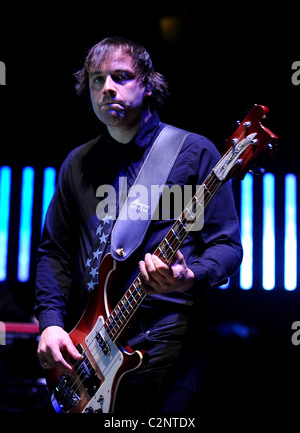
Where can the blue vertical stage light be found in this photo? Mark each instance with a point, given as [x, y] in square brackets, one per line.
[25, 228]
[246, 269]
[48, 190]
[268, 241]
[290, 233]
[5, 188]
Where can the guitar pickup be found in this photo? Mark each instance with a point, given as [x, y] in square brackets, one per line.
[86, 372]
[102, 343]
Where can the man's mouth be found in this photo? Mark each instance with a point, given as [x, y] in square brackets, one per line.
[113, 104]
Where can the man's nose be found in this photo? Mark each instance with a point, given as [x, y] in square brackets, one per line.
[109, 86]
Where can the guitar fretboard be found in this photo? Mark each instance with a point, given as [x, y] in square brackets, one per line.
[244, 146]
[134, 296]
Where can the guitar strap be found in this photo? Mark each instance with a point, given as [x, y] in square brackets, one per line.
[135, 216]
[140, 205]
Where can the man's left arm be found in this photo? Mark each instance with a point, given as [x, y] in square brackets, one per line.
[216, 253]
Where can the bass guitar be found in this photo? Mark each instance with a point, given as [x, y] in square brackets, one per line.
[94, 384]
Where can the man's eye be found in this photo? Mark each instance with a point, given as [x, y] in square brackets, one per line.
[123, 76]
[98, 80]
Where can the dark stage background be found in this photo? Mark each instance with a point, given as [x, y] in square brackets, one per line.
[218, 61]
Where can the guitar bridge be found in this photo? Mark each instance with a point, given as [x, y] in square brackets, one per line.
[66, 394]
[64, 397]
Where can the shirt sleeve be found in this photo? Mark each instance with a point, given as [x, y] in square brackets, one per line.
[56, 256]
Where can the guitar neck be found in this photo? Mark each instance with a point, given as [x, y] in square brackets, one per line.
[134, 296]
[243, 147]
[193, 212]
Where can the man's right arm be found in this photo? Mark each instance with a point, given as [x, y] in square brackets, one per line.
[55, 348]
[56, 255]
[55, 268]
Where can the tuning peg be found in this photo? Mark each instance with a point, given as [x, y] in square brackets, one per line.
[257, 171]
[274, 149]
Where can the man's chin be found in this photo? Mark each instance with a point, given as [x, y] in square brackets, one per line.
[112, 117]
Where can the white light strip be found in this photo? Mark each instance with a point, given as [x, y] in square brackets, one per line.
[48, 190]
[246, 269]
[268, 241]
[25, 228]
[5, 188]
[290, 233]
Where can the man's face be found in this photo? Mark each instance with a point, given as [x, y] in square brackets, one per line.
[117, 93]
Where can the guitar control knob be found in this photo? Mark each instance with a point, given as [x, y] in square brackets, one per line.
[89, 410]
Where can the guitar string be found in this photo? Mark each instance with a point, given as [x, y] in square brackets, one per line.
[212, 190]
[78, 378]
[211, 185]
[181, 234]
[172, 245]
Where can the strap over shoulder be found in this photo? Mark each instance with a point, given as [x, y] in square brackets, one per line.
[139, 208]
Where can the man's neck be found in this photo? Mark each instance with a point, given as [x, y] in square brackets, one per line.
[124, 134]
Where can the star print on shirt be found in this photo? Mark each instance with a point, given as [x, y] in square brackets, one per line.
[99, 229]
[92, 262]
[94, 272]
[103, 238]
[91, 285]
[97, 253]
[106, 219]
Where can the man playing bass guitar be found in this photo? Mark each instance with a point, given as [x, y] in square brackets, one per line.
[125, 92]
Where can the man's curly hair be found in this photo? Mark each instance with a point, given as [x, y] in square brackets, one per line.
[141, 62]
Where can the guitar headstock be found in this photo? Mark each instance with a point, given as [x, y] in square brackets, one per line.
[245, 145]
